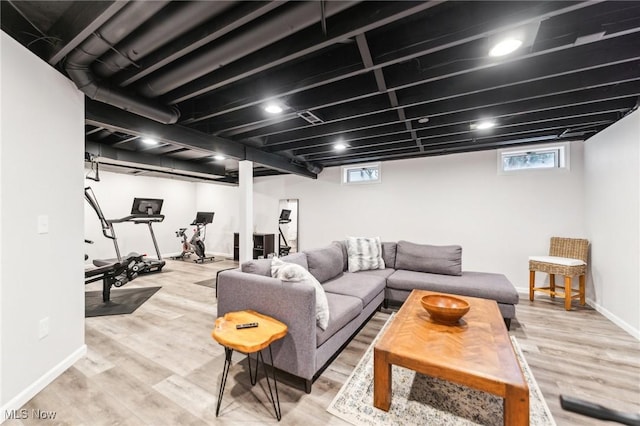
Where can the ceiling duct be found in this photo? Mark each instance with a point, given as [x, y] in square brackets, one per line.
[183, 17]
[265, 32]
[80, 59]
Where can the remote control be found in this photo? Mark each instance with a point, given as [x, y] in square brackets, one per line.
[247, 325]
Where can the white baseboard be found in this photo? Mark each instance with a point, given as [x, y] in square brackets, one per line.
[216, 254]
[615, 319]
[524, 292]
[32, 390]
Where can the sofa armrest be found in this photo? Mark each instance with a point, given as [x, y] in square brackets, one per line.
[294, 305]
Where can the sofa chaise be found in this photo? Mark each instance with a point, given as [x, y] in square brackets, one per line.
[353, 297]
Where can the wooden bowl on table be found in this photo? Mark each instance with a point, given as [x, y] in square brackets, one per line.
[445, 309]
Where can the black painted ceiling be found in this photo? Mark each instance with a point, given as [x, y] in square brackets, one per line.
[390, 80]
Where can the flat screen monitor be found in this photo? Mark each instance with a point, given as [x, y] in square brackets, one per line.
[150, 206]
[284, 214]
[203, 218]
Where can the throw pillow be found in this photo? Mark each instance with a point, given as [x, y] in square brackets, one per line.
[290, 272]
[364, 254]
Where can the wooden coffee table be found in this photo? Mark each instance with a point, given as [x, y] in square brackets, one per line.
[476, 353]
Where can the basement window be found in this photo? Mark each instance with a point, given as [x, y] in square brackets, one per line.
[362, 173]
[552, 157]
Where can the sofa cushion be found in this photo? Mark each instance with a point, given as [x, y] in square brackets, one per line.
[389, 250]
[291, 272]
[345, 254]
[360, 285]
[297, 258]
[343, 310]
[364, 253]
[485, 285]
[382, 273]
[257, 266]
[263, 266]
[326, 262]
[445, 260]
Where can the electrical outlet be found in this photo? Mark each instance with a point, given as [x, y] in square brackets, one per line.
[43, 328]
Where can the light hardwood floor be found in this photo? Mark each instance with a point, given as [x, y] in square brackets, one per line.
[159, 366]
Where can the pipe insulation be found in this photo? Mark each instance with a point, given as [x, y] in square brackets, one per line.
[79, 61]
[267, 31]
[170, 23]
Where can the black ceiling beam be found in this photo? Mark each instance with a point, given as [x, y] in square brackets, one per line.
[110, 155]
[79, 22]
[567, 85]
[454, 123]
[551, 137]
[277, 162]
[609, 57]
[361, 86]
[437, 45]
[103, 115]
[585, 104]
[471, 139]
[355, 20]
[479, 100]
[527, 68]
[530, 121]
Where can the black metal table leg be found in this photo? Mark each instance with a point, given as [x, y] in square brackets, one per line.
[254, 378]
[276, 408]
[225, 372]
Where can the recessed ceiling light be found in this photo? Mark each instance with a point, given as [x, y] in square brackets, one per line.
[339, 147]
[219, 157]
[483, 125]
[423, 120]
[273, 109]
[505, 47]
[149, 141]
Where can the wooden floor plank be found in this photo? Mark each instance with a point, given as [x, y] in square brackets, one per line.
[159, 365]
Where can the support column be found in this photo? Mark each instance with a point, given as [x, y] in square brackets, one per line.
[245, 174]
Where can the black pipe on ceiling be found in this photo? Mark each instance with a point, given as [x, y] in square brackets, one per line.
[267, 31]
[117, 28]
[180, 16]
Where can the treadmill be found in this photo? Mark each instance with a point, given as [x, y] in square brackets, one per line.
[143, 211]
[284, 247]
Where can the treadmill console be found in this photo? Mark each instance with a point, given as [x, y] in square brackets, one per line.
[146, 206]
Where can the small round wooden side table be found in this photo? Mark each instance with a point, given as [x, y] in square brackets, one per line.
[248, 341]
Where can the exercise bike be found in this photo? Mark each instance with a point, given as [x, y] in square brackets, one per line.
[196, 243]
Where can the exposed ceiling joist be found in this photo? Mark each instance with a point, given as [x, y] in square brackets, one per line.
[109, 155]
[103, 115]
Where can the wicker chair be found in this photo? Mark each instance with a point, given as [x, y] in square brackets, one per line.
[567, 257]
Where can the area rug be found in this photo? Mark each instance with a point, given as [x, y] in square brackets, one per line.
[419, 399]
[122, 301]
[207, 283]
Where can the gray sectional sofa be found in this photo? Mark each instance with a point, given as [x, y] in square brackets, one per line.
[353, 297]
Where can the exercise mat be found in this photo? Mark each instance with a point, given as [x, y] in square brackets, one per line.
[123, 301]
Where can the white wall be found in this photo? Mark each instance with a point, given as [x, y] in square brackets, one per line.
[41, 166]
[499, 220]
[115, 193]
[612, 180]
[225, 202]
